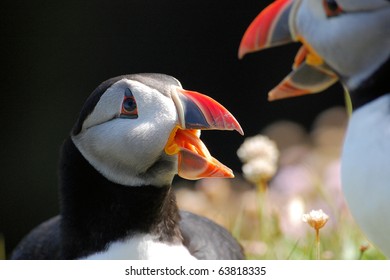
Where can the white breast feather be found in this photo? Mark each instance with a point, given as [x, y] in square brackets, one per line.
[142, 247]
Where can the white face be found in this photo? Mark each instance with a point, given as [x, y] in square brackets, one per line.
[354, 43]
[125, 149]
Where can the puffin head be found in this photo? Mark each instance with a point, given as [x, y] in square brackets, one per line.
[142, 129]
[345, 40]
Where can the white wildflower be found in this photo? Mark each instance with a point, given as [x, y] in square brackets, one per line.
[258, 146]
[258, 170]
[316, 219]
[259, 155]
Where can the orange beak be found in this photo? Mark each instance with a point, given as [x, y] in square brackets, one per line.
[274, 26]
[198, 112]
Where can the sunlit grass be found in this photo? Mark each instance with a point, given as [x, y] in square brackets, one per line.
[342, 243]
[265, 239]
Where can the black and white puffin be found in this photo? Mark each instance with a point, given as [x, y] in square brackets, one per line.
[349, 41]
[134, 133]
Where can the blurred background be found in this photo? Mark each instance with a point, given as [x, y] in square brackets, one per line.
[54, 53]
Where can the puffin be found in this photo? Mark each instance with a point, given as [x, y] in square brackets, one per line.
[346, 41]
[133, 135]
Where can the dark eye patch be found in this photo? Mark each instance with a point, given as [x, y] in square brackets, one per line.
[332, 8]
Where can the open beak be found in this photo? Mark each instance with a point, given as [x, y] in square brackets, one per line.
[198, 112]
[274, 26]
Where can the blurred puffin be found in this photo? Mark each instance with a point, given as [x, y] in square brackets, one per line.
[134, 133]
[346, 40]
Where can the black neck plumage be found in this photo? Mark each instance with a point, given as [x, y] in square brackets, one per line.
[96, 211]
[375, 86]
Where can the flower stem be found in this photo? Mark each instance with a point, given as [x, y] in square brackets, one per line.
[262, 201]
[318, 243]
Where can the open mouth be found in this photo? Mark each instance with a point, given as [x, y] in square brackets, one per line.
[194, 159]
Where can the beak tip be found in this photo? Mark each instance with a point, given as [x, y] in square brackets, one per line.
[228, 173]
[271, 96]
[242, 52]
[235, 125]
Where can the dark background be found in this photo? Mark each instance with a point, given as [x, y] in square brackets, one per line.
[54, 53]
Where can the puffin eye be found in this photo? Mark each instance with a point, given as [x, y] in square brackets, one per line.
[129, 106]
[332, 8]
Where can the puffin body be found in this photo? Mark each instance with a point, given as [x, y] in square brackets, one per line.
[347, 41]
[366, 168]
[134, 133]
